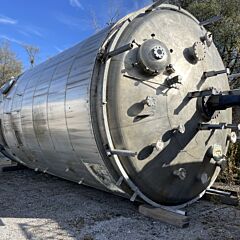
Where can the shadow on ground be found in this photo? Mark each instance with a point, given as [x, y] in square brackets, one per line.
[39, 206]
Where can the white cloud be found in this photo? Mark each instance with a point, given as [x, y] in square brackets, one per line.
[58, 49]
[26, 30]
[73, 22]
[11, 39]
[7, 20]
[33, 30]
[76, 3]
[24, 33]
[30, 30]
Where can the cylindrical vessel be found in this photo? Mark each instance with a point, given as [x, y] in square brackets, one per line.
[112, 112]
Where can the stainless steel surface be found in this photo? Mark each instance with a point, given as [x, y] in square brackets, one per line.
[97, 116]
[126, 86]
[49, 125]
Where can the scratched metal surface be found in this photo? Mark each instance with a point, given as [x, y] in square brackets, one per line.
[46, 120]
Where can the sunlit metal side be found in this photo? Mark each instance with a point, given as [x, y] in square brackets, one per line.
[46, 118]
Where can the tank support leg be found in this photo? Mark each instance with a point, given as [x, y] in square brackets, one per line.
[165, 216]
[1, 223]
[222, 196]
[12, 166]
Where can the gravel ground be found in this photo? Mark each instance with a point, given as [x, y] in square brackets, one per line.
[39, 206]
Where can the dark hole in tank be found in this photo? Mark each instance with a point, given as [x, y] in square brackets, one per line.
[145, 152]
[171, 50]
[153, 35]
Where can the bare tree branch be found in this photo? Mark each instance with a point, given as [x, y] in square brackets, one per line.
[113, 14]
[95, 23]
[32, 52]
[10, 66]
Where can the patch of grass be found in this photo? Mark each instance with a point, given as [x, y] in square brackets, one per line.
[231, 175]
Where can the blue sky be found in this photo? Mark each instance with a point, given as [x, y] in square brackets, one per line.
[55, 25]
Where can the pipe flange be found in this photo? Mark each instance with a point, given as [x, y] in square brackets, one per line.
[207, 114]
[199, 51]
[213, 115]
[159, 52]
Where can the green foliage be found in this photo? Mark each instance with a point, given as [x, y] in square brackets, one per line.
[226, 32]
[232, 173]
[10, 66]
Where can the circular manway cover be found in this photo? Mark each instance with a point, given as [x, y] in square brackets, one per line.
[154, 56]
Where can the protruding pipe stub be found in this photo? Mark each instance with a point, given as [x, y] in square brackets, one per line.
[170, 69]
[207, 126]
[208, 39]
[181, 173]
[232, 137]
[216, 152]
[159, 145]
[204, 93]
[212, 104]
[222, 102]
[179, 129]
[173, 81]
[210, 20]
[221, 126]
[150, 101]
[215, 73]
[222, 163]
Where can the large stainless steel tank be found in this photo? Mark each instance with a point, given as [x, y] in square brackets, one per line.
[113, 112]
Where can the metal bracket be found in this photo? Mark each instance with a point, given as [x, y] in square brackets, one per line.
[233, 76]
[133, 197]
[221, 126]
[173, 218]
[204, 93]
[120, 181]
[211, 20]
[123, 153]
[105, 56]
[222, 196]
[215, 73]
[155, 4]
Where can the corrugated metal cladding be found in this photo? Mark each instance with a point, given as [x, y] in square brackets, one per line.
[46, 116]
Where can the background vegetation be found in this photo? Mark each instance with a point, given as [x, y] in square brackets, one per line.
[10, 65]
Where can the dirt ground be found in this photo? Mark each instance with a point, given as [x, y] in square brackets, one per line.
[41, 207]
